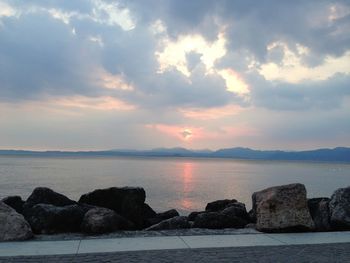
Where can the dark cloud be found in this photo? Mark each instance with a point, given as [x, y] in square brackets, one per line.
[40, 56]
[324, 95]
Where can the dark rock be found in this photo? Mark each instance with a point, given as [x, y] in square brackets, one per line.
[250, 225]
[218, 220]
[237, 210]
[161, 217]
[13, 226]
[282, 209]
[149, 217]
[43, 195]
[15, 202]
[252, 216]
[103, 220]
[178, 222]
[168, 214]
[192, 216]
[219, 205]
[339, 207]
[50, 219]
[128, 202]
[319, 210]
[148, 212]
[211, 220]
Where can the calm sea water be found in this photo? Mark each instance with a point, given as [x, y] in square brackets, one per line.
[184, 184]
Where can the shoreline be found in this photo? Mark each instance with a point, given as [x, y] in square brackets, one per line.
[123, 212]
[156, 157]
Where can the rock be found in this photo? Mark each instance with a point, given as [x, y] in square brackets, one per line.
[192, 216]
[219, 205]
[13, 226]
[252, 216]
[178, 222]
[250, 225]
[319, 210]
[43, 195]
[339, 207]
[168, 214]
[237, 210]
[161, 217]
[103, 220]
[148, 212]
[15, 202]
[282, 209]
[50, 219]
[211, 220]
[128, 202]
[218, 220]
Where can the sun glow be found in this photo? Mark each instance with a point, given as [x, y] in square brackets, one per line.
[186, 134]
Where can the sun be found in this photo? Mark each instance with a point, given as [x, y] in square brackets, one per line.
[186, 134]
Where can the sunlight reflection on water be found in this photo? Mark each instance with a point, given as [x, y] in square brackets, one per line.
[184, 184]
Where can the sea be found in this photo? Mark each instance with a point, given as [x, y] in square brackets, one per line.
[186, 184]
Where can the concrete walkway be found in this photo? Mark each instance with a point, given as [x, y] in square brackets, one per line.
[92, 246]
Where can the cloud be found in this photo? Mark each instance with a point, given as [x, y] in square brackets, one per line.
[321, 94]
[290, 67]
[210, 67]
[35, 61]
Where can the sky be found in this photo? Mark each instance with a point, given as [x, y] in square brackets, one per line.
[200, 74]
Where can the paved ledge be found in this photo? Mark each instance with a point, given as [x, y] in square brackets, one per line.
[86, 246]
[319, 253]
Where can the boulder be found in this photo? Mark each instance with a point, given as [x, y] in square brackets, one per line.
[128, 202]
[15, 202]
[192, 216]
[50, 219]
[319, 210]
[178, 222]
[161, 217]
[13, 226]
[148, 212]
[168, 214]
[103, 220]
[282, 209]
[219, 205]
[252, 216]
[218, 220]
[211, 220]
[238, 210]
[44, 195]
[339, 207]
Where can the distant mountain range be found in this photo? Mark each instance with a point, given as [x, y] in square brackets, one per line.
[339, 154]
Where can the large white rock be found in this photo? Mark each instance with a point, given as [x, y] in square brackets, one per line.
[13, 226]
[282, 209]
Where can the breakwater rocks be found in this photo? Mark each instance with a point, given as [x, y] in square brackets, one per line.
[276, 209]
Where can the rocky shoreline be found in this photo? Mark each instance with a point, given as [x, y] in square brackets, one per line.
[124, 210]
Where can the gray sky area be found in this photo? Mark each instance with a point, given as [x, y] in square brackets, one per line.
[94, 74]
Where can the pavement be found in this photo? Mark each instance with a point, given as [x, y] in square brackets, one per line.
[293, 247]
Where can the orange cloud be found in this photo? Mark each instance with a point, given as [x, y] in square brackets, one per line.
[98, 103]
[110, 81]
[182, 133]
[187, 133]
[212, 113]
[238, 131]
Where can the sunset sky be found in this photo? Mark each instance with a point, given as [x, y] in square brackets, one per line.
[135, 74]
